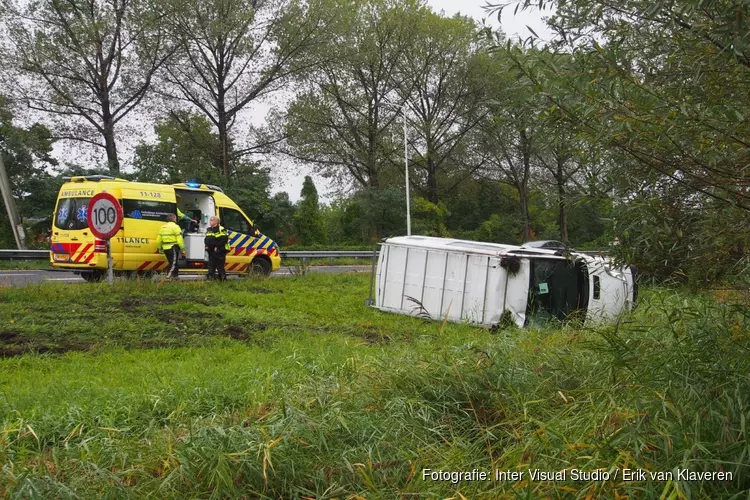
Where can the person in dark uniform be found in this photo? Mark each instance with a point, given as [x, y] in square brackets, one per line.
[217, 246]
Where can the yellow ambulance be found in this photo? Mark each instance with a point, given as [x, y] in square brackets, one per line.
[145, 208]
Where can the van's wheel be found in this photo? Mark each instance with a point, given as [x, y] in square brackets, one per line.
[93, 276]
[260, 266]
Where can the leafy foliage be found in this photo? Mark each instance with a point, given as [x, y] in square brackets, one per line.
[658, 86]
[26, 154]
[186, 148]
[87, 63]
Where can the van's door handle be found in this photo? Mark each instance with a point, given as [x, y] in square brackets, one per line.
[85, 233]
[74, 239]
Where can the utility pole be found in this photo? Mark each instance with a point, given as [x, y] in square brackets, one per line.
[10, 207]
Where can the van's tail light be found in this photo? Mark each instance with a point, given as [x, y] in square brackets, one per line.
[100, 246]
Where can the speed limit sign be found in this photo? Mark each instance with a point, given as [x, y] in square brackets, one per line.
[104, 215]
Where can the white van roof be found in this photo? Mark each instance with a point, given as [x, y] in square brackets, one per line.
[467, 246]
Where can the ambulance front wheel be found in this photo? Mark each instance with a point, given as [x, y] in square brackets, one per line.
[260, 266]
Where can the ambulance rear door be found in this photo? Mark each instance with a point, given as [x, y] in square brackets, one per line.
[72, 244]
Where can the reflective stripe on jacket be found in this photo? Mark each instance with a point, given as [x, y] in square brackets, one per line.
[217, 237]
[170, 235]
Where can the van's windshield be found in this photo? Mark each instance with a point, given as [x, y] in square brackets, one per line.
[72, 213]
[557, 291]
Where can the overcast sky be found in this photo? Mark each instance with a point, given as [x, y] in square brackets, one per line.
[513, 25]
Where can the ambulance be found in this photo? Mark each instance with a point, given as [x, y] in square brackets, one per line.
[145, 209]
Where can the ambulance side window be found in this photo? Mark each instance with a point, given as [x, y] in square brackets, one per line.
[147, 209]
[233, 220]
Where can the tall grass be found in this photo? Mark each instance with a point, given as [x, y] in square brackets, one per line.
[333, 400]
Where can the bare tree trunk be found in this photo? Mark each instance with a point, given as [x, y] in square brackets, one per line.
[223, 132]
[562, 203]
[111, 146]
[432, 186]
[524, 191]
[524, 199]
[108, 128]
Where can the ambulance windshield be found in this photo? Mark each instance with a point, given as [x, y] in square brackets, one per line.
[72, 213]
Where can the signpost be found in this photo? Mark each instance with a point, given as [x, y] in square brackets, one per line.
[105, 219]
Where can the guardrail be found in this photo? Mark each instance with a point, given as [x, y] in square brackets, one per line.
[24, 254]
[323, 254]
[302, 255]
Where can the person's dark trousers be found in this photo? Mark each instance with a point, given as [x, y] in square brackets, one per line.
[211, 265]
[216, 261]
[173, 255]
[221, 259]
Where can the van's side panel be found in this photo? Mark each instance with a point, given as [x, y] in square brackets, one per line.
[393, 280]
[458, 285]
[414, 278]
[432, 292]
[475, 288]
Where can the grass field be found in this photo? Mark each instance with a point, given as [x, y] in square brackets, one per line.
[292, 388]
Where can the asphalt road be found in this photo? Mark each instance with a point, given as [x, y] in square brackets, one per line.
[28, 277]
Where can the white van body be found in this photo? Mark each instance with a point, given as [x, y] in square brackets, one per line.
[490, 283]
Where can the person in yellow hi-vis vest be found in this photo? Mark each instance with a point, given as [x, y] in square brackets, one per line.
[171, 244]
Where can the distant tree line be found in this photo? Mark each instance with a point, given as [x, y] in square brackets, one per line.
[631, 124]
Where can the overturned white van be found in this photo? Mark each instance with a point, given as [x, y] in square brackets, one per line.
[493, 284]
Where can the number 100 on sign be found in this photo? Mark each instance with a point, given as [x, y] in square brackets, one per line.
[104, 216]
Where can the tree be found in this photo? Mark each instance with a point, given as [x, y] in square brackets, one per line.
[276, 220]
[186, 148]
[250, 188]
[26, 154]
[88, 63]
[308, 222]
[509, 131]
[564, 159]
[234, 52]
[341, 122]
[442, 79]
[662, 85]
